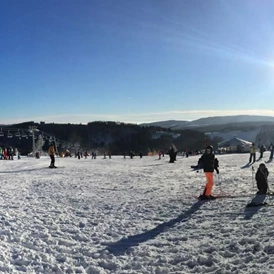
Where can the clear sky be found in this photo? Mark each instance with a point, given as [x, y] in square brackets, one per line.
[135, 60]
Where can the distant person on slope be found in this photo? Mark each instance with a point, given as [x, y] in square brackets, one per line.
[252, 153]
[271, 148]
[262, 150]
[51, 153]
[261, 179]
[172, 155]
[208, 161]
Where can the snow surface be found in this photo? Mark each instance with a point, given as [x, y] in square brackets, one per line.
[131, 216]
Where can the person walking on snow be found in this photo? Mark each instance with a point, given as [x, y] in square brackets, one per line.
[261, 179]
[262, 150]
[252, 153]
[51, 153]
[209, 164]
[271, 148]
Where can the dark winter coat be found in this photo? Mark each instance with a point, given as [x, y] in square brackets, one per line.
[261, 179]
[208, 161]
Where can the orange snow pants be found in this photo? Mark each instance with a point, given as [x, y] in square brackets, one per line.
[209, 183]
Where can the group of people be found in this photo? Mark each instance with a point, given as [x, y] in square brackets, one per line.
[262, 149]
[7, 153]
[209, 163]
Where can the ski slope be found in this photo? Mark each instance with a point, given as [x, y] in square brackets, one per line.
[131, 216]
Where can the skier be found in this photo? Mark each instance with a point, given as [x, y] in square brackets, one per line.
[51, 153]
[261, 179]
[252, 153]
[208, 161]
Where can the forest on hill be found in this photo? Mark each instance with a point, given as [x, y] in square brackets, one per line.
[113, 137]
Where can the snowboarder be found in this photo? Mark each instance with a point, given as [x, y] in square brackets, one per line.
[261, 179]
[51, 153]
[252, 153]
[208, 161]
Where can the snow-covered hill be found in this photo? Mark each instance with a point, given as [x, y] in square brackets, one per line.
[213, 121]
[131, 216]
[249, 135]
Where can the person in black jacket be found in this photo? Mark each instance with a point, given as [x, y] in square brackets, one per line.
[261, 179]
[271, 148]
[262, 150]
[209, 164]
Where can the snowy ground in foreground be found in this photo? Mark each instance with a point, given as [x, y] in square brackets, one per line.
[131, 216]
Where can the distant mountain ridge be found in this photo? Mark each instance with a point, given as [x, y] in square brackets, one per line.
[211, 121]
[167, 124]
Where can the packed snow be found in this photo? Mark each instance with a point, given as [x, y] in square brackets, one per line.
[132, 216]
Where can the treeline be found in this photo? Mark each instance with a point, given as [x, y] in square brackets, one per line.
[117, 138]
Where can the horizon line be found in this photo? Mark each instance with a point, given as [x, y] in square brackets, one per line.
[138, 118]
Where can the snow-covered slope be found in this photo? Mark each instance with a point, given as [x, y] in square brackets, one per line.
[215, 120]
[131, 216]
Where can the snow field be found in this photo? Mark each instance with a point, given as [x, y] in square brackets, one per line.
[131, 216]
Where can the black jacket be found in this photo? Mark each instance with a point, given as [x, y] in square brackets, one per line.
[208, 161]
[261, 178]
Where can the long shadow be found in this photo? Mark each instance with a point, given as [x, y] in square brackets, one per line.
[251, 211]
[246, 166]
[120, 247]
[24, 170]
[156, 164]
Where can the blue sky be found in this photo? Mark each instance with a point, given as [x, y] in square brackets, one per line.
[135, 61]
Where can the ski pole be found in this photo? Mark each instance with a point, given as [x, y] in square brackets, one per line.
[220, 183]
[252, 179]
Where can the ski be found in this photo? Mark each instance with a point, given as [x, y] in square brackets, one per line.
[215, 197]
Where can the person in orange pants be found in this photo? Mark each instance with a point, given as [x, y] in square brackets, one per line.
[209, 164]
[209, 184]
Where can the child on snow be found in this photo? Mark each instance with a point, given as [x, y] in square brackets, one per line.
[261, 179]
[209, 164]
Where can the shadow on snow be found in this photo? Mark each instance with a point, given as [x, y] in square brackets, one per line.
[27, 170]
[247, 165]
[251, 211]
[122, 246]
